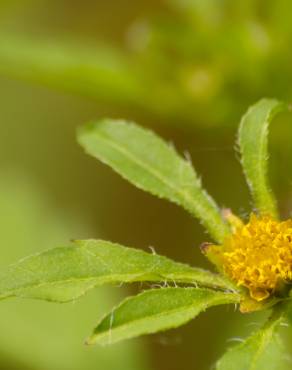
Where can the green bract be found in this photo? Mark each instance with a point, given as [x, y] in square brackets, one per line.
[65, 273]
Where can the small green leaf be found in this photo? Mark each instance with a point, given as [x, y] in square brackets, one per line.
[253, 143]
[149, 163]
[65, 273]
[263, 350]
[156, 310]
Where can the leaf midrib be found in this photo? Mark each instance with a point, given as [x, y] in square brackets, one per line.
[112, 278]
[261, 164]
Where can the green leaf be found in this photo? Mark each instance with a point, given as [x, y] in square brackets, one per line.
[26, 208]
[97, 71]
[151, 164]
[156, 310]
[65, 273]
[263, 350]
[253, 143]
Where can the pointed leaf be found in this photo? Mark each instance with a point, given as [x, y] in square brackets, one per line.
[253, 143]
[262, 350]
[156, 310]
[63, 274]
[149, 163]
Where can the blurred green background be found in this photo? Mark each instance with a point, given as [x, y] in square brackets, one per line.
[186, 68]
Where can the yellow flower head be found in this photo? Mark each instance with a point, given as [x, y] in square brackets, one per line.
[258, 255]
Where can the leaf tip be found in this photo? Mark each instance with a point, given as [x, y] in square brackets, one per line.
[83, 129]
[88, 341]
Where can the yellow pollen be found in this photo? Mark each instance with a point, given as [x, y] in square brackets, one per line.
[259, 255]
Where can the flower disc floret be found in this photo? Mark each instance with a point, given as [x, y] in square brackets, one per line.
[258, 255]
